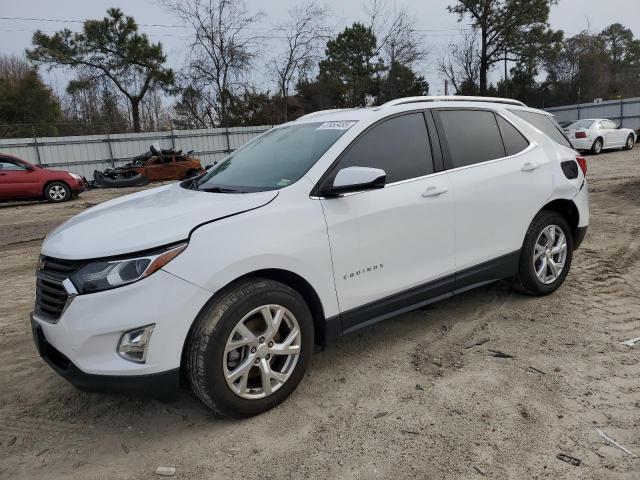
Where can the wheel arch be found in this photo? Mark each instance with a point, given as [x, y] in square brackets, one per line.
[286, 277]
[566, 208]
[304, 288]
[601, 138]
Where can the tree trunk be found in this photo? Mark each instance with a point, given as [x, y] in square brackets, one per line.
[283, 90]
[135, 114]
[483, 63]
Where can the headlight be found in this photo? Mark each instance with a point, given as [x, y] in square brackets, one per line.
[76, 176]
[106, 274]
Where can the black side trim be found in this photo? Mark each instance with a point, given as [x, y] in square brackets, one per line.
[434, 139]
[487, 272]
[396, 304]
[581, 232]
[164, 385]
[496, 269]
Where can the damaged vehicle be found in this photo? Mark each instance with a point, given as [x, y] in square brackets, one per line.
[311, 231]
[156, 165]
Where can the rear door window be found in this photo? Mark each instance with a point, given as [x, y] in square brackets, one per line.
[514, 141]
[399, 146]
[544, 123]
[472, 136]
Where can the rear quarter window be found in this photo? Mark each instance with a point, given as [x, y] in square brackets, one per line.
[544, 123]
[514, 141]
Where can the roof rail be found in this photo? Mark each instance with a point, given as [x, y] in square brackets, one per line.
[321, 112]
[452, 98]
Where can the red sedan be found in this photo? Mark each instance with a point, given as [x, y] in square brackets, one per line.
[21, 179]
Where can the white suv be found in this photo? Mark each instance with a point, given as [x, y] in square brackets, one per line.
[313, 230]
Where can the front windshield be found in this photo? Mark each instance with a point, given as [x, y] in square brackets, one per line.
[273, 160]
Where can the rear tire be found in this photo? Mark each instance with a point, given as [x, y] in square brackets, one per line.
[630, 143]
[232, 337]
[596, 148]
[541, 271]
[57, 192]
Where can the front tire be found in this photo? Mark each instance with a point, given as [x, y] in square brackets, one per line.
[546, 255]
[57, 192]
[630, 143]
[249, 348]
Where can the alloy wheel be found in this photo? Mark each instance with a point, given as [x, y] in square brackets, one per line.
[262, 352]
[56, 192]
[550, 254]
[598, 146]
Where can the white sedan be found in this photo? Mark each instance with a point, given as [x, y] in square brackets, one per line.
[597, 134]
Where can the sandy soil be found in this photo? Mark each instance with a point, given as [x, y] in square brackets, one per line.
[417, 396]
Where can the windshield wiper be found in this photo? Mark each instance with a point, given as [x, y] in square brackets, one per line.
[220, 190]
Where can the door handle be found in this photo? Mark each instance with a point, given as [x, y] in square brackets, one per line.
[529, 166]
[434, 191]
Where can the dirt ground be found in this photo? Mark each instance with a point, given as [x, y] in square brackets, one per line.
[418, 396]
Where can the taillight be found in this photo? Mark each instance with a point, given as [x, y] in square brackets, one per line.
[581, 134]
[583, 164]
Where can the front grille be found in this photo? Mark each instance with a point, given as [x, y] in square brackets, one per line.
[51, 296]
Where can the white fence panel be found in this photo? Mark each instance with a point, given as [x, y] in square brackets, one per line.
[84, 154]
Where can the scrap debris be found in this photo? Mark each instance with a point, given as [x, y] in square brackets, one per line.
[499, 354]
[569, 459]
[479, 342]
[166, 471]
[480, 470]
[613, 442]
[537, 370]
[631, 342]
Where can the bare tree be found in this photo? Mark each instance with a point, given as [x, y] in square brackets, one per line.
[304, 34]
[461, 66]
[398, 39]
[13, 67]
[222, 50]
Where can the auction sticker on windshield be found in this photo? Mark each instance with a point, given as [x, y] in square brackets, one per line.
[336, 125]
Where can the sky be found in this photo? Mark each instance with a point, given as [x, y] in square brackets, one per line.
[21, 18]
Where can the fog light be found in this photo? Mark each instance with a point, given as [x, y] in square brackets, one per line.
[134, 343]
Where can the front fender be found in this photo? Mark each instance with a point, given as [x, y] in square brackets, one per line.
[288, 234]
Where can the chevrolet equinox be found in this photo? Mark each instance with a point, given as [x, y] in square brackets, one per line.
[312, 230]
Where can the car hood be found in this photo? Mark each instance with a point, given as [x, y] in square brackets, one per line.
[145, 220]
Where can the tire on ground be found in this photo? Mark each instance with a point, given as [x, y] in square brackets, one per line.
[526, 280]
[57, 192]
[596, 148]
[630, 143]
[204, 350]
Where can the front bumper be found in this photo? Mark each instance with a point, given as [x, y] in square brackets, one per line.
[81, 345]
[164, 385]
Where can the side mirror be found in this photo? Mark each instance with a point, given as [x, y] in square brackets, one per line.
[355, 179]
[619, 127]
